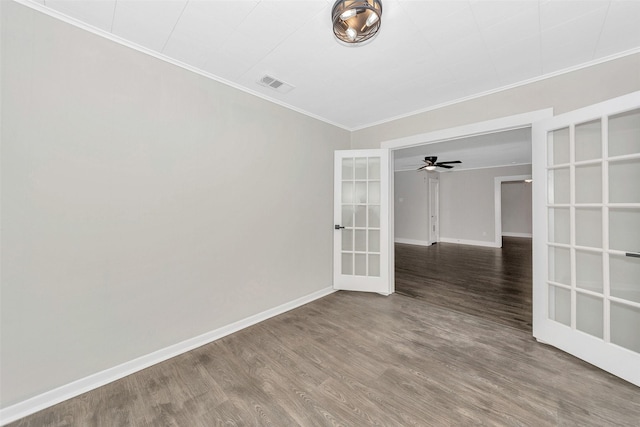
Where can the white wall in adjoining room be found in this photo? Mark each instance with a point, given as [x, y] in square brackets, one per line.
[143, 204]
[467, 205]
[516, 208]
[411, 209]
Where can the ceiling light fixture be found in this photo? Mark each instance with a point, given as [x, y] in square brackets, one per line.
[431, 168]
[356, 21]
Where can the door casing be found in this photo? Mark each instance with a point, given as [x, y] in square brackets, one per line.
[434, 210]
[517, 121]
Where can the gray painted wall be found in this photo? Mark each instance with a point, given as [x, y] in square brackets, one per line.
[516, 208]
[467, 207]
[411, 210]
[143, 204]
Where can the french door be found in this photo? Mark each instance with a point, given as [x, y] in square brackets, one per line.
[361, 221]
[586, 291]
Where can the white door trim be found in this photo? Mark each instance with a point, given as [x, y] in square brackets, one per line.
[434, 199]
[497, 197]
[391, 250]
[517, 121]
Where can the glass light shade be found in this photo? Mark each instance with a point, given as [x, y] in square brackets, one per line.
[356, 21]
[349, 13]
[372, 19]
[351, 34]
[430, 168]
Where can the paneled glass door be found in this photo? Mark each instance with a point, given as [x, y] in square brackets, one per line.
[361, 221]
[587, 279]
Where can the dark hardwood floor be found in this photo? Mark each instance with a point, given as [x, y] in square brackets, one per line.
[487, 282]
[356, 359]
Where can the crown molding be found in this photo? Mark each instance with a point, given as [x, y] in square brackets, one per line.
[72, 21]
[502, 88]
[119, 40]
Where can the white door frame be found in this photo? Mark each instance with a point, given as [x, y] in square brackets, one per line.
[497, 197]
[517, 121]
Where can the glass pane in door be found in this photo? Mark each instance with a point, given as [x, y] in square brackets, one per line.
[589, 227]
[360, 240]
[347, 240]
[347, 169]
[558, 147]
[560, 305]
[589, 184]
[559, 189]
[625, 321]
[624, 273]
[589, 141]
[560, 265]
[347, 215]
[589, 314]
[360, 268]
[374, 241]
[374, 168]
[360, 192]
[624, 177]
[347, 192]
[361, 167]
[624, 229]
[374, 265]
[347, 263]
[624, 133]
[559, 225]
[374, 192]
[589, 271]
[361, 216]
[374, 216]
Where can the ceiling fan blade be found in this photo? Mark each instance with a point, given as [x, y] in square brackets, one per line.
[454, 161]
[422, 167]
[440, 165]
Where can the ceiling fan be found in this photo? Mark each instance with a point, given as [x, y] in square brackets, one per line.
[431, 162]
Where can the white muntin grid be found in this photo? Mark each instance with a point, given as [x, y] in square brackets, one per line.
[558, 206]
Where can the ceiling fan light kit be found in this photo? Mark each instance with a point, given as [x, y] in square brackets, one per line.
[356, 21]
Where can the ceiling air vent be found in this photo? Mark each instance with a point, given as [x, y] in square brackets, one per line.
[275, 84]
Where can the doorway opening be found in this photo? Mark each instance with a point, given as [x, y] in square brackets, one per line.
[459, 270]
[513, 207]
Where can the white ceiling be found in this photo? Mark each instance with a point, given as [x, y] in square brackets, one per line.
[428, 53]
[497, 149]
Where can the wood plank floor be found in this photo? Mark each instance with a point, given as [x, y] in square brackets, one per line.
[491, 283]
[354, 359]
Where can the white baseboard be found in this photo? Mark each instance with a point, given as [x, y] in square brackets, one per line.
[469, 242]
[412, 241]
[509, 234]
[75, 388]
